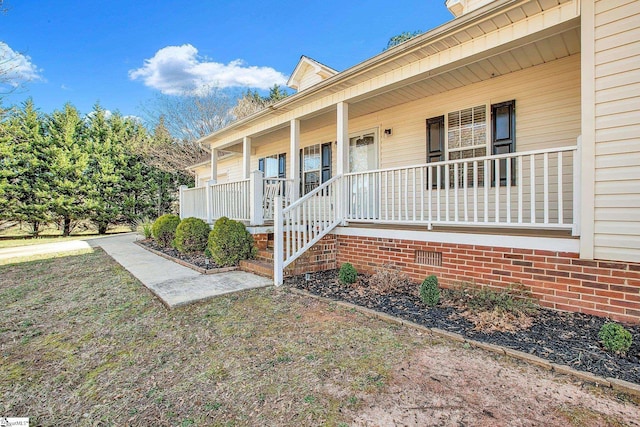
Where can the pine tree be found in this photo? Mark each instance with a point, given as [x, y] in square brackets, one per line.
[103, 172]
[69, 160]
[27, 188]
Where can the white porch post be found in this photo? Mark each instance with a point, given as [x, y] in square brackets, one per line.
[214, 164]
[181, 200]
[246, 157]
[294, 163]
[278, 237]
[209, 200]
[255, 198]
[577, 188]
[342, 161]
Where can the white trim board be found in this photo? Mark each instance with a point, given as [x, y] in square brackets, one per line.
[556, 244]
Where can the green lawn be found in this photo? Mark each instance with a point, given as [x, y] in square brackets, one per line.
[84, 343]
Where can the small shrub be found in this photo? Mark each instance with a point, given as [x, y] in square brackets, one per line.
[491, 310]
[347, 274]
[388, 278]
[192, 235]
[615, 337]
[230, 242]
[429, 292]
[207, 252]
[164, 229]
[144, 226]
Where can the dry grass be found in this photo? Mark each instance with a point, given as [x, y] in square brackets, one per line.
[98, 348]
[83, 343]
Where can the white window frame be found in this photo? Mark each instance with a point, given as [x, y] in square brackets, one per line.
[487, 123]
[305, 171]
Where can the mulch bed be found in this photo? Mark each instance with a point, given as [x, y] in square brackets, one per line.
[199, 260]
[564, 338]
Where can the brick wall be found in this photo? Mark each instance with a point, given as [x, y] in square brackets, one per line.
[559, 280]
[321, 256]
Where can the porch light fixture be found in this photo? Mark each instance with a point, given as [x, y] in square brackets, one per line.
[387, 132]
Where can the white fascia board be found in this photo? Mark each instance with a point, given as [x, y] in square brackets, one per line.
[555, 244]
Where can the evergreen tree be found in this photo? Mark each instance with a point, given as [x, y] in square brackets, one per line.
[27, 176]
[103, 171]
[69, 160]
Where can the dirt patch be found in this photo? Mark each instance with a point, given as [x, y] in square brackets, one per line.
[445, 386]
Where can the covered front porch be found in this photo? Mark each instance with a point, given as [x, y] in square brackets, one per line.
[535, 189]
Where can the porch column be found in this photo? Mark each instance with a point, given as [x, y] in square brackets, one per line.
[342, 160]
[214, 165]
[294, 163]
[256, 205]
[181, 200]
[246, 157]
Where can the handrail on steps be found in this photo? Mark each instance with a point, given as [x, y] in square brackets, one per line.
[305, 221]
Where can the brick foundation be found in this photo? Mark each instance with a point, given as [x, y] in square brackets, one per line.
[559, 280]
[321, 256]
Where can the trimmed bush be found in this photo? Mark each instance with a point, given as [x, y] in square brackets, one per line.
[615, 337]
[164, 229]
[192, 235]
[429, 292]
[348, 273]
[230, 242]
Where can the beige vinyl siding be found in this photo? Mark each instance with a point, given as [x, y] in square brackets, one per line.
[229, 170]
[544, 118]
[617, 130]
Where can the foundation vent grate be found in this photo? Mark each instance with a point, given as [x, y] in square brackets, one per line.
[429, 258]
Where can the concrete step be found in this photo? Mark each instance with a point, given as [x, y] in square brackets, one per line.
[257, 266]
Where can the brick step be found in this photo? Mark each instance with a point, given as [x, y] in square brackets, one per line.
[257, 266]
[265, 255]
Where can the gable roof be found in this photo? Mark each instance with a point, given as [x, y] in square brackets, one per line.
[308, 72]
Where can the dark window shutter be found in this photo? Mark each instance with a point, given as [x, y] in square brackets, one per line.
[435, 147]
[282, 165]
[503, 137]
[261, 165]
[326, 162]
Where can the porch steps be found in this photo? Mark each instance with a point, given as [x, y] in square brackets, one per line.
[258, 266]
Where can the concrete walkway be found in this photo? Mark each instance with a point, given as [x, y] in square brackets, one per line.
[174, 284]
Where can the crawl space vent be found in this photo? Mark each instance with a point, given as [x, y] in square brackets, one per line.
[429, 258]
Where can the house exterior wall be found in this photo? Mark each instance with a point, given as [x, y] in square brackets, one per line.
[229, 170]
[544, 118]
[617, 130]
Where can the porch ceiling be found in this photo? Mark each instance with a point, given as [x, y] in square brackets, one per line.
[540, 51]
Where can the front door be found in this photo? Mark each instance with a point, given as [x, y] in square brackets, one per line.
[363, 157]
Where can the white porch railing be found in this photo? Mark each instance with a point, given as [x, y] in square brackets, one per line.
[230, 199]
[303, 223]
[272, 188]
[193, 202]
[533, 189]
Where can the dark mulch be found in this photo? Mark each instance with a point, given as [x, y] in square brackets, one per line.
[565, 338]
[197, 259]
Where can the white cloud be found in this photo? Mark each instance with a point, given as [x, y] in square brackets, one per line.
[179, 70]
[16, 68]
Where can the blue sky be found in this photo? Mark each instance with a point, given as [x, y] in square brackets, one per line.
[121, 53]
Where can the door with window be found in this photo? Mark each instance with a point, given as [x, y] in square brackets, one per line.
[363, 157]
